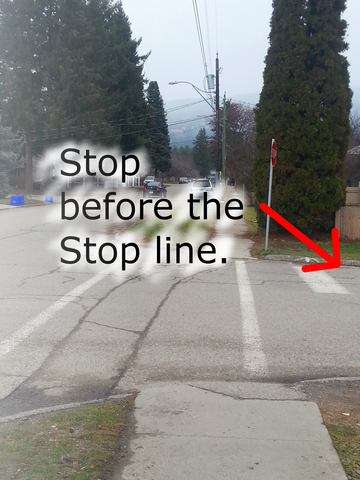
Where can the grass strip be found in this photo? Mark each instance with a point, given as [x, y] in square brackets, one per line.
[79, 444]
[149, 229]
[284, 243]
[346, 440]
[27, 201]
[250, 219]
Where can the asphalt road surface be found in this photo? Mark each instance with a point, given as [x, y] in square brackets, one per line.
[80, 332]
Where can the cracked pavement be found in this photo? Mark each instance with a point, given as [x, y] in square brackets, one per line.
[165, 325]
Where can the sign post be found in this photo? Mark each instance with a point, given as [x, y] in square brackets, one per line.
[272, 165]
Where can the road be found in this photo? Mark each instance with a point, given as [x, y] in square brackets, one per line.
[72, 333]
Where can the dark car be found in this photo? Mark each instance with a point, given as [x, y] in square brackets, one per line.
[154, 189]
[231, 181]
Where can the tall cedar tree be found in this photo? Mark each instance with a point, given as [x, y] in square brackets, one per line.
[91, 89]
[201, 153]
[158, 128]
[11, 150]
[305, 105]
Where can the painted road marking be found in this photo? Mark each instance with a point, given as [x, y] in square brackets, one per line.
[7, 345]
[321, 282]
[255, 359]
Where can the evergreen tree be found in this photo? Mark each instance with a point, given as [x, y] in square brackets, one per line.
[10, 157]
[121, 70]
[158, 128]
[73, 96]
[21, 38]
[201, 153]
[304, 104]
[70, 70]
[98, 65]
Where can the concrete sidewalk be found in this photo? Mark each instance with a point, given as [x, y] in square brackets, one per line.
[239, 431]
[185, 432]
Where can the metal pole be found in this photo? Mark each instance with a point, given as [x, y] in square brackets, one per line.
[224, 141]
[269, 204]
[217, 108]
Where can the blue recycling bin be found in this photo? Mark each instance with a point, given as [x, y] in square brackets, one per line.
[49, 198]
[17, 200]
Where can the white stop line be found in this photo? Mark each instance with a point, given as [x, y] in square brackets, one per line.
[321, 282]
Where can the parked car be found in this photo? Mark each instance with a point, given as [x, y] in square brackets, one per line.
[201, 185]
[154, 189]
[183, 180]
[149, 178]
[231, 181]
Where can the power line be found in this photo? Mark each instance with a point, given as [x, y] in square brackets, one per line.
[183, 106]
[104, 137]
[207, 29]
[216, 29]
[198, 26]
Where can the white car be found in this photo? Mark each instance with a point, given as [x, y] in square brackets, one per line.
[201, 185]
[149, 179]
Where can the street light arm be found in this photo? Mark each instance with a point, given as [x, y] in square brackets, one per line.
[195, 88]
[183, 81]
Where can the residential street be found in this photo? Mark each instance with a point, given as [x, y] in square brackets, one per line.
[73, 335]
[123, 331]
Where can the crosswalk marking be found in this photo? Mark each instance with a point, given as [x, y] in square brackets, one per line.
[7, 345]
[255, 359]
[321, 282]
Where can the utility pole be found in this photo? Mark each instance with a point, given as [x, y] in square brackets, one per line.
[224, 141]
[217, 110]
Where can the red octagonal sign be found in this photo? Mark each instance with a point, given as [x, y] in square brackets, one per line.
[273, 153]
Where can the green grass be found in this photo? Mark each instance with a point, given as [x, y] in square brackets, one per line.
[27, 201]
[289, 245]
[250, 218]
[149, 229]
[75, 444]
[346, 440]
[348, 251]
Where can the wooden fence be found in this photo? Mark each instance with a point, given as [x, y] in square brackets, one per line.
[347, 219]
[352, 197]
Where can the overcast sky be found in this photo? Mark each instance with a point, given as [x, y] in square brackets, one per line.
[237, 29]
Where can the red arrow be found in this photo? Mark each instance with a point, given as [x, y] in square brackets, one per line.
[331, 261]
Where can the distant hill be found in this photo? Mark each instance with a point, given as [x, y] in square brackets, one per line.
[187, 116]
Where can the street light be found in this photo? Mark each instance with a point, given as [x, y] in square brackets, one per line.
[215, 109]
[195, 88]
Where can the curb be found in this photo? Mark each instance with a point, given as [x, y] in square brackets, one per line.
[57, 408]
[290, 258]
[24, 206]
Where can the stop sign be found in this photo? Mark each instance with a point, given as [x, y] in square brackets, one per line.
[273, 153]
